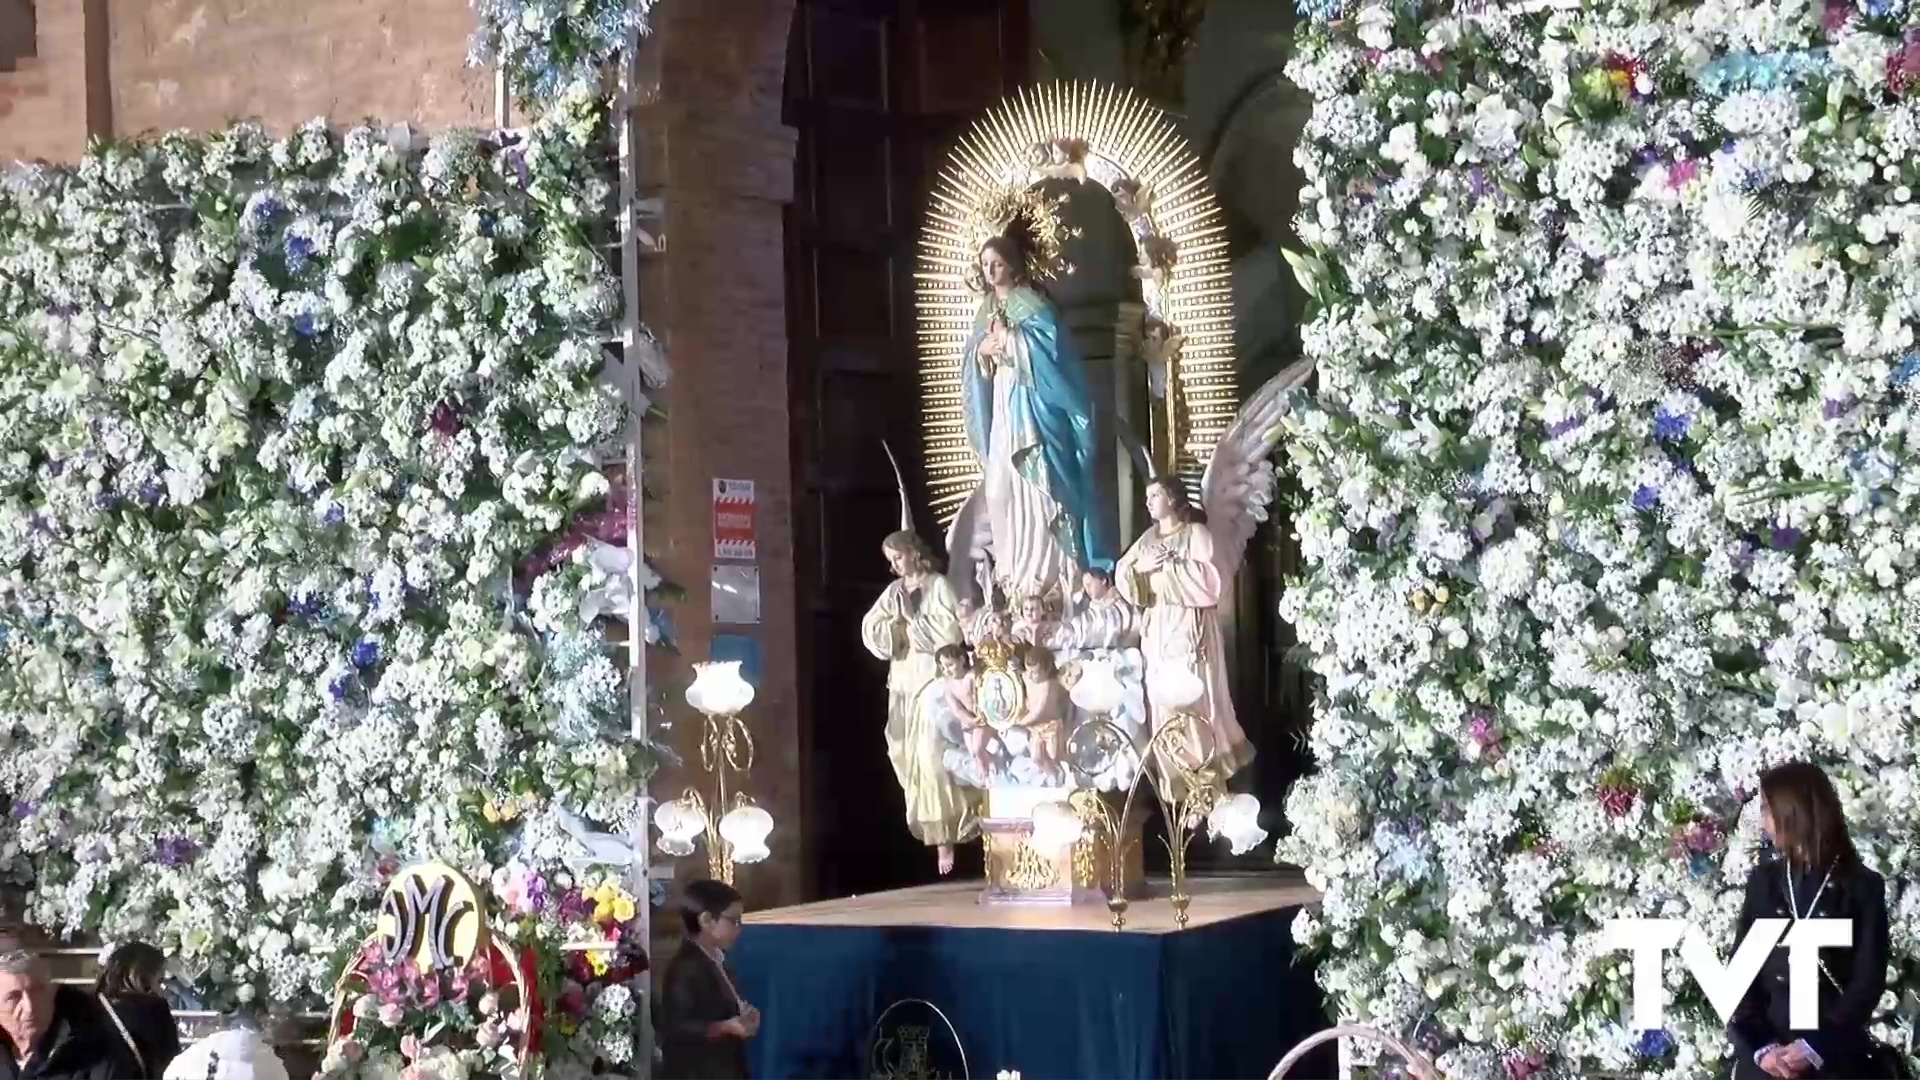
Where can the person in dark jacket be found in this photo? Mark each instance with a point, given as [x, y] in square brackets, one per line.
[50, 1032]
[129, 989]
[1817, 876]
[702, 1022]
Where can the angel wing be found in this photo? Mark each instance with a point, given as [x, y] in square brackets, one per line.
[591, 848]
[906, 507]
[1238, 483]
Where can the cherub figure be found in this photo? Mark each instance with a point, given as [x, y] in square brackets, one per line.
[1038, 623]
[1107, 620]
[956, 673]
[1160, 345]
[1048, 705]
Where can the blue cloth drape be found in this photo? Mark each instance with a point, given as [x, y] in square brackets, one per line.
[1225, 1000]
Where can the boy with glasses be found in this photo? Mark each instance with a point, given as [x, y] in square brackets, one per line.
[702, 1022]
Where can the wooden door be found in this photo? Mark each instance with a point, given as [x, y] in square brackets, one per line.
[879, 92]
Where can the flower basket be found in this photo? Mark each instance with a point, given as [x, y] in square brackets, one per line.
[1417, 1064]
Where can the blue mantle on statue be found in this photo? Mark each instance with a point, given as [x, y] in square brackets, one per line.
[1222, 1000]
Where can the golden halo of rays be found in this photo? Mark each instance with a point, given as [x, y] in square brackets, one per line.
[1125, 138]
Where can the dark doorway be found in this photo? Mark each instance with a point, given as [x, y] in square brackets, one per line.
[879, 92]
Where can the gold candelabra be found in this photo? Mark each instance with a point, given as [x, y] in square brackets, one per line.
[732, 827]
[1187, 792]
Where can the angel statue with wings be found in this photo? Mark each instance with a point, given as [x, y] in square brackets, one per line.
[1178, 570]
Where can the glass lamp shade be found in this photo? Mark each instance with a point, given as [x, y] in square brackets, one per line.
[1098, 692]
[745, 830]
[1237, 818]
[1175, 687]
[1055, 825]
[679, 823]
[718, 689]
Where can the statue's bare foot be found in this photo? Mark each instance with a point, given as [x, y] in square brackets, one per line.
[946, 859]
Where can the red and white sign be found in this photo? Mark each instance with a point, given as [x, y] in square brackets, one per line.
[735, 518]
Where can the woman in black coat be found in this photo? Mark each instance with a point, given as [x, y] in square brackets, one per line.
[1817, 876]
[129, 992]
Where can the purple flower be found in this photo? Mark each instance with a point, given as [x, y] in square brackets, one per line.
[536, 892]
[1835, 408]
[1565, 424]
[1742, 553]
[175, 851]
[366, 653]
[265, 209]
[334, 514]
[304, 325]
[1782, 537]
[22, 809]
[1477, 181]
[337, 689]
[303, 605]
[1645, 497]
[1671, 425]
[106, 500]
[149, 493]
[446, 419]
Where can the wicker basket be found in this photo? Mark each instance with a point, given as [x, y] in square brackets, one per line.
[1418, 1066]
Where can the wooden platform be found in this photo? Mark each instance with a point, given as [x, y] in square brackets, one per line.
[957, 904]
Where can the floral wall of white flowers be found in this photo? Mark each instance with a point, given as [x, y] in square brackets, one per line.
[1608, 495]
[304, 449]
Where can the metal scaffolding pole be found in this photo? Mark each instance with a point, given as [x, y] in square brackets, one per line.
[630, 332]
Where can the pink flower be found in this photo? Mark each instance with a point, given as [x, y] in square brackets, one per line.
[490, 1034]
[410, 1047]
[392, 1013]
[1682, 173]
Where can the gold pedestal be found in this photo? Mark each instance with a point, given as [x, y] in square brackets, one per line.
[1019, 872]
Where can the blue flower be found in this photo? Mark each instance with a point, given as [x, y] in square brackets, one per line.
[337, 689]
[1907, 369]
[149, 493]
[1699, 865]
[1319, 10]
[1645, 497]
[304, 325]
[299, 249]
[333, 513]
[303, 605]
[1782, 537]
[366, 653]
[263, 209]
[1670, 426]
[1653, 1043]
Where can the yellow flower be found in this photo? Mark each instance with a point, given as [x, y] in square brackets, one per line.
[602, 911]
[623, 908]
[491, 812]
[597, 960]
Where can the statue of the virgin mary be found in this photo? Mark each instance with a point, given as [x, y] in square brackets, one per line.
[1029, 419]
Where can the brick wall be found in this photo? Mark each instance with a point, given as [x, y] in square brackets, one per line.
[200, 63]
[715, 148]
[44, 98]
